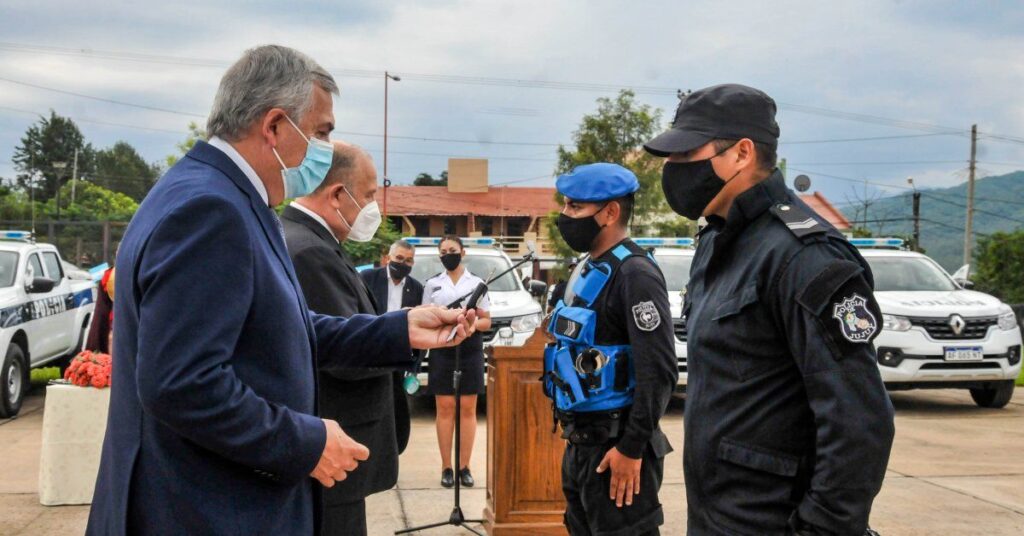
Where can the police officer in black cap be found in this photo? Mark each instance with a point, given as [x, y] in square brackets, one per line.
[612, 369]
[788, 425]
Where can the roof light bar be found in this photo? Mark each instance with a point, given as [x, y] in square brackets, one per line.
[434, 240]
[664, 242]
[877, 242]
[16, 235]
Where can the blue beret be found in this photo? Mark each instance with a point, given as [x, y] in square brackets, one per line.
[597, 182]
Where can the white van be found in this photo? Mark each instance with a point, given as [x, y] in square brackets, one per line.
[515, 308]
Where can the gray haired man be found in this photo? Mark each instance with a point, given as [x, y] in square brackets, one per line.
[212, 426]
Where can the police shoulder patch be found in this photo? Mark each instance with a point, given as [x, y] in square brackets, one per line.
[646, 316]
[856, 322]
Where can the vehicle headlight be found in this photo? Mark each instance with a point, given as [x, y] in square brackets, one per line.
[1007, 321]
[895, 323]
[528, 322]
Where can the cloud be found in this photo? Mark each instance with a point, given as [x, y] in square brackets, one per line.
[937, 63]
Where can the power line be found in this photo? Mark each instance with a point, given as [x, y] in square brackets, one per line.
[995, 214]
[862, 163]
[494, 81]
[101, 99]
[947, 131]
[85, 120]
[870, 138]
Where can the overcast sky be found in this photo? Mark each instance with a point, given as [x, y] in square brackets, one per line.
[912, 63]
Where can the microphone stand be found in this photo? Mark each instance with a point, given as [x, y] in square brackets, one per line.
[457, 518]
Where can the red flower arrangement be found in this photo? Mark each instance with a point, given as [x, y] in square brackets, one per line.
[89, 369]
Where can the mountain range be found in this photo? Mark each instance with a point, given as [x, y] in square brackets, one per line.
[998, 203]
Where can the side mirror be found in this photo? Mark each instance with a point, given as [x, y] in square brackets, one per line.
[965, 283]
[41, 285]
[537, 288]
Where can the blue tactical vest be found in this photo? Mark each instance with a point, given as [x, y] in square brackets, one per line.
[579, 375]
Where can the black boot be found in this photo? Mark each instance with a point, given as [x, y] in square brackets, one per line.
[466, 477]
[448, 478]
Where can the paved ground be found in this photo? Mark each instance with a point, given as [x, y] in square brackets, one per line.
[955, 469]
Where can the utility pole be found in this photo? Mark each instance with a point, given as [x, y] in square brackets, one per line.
[59, 167]
[917, 215]
[969, 226]
[387, 179]
[74, 177]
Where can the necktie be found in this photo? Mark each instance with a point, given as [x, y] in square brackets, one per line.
[280, 226]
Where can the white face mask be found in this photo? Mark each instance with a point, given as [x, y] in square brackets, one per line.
[366, 223]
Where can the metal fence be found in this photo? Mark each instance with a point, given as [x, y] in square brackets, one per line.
[84, 243]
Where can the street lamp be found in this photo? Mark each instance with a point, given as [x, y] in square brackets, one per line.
[59, 167]
[387, 180]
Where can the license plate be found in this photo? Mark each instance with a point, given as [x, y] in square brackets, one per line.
[963, 353]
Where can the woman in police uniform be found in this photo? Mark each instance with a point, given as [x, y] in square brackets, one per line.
[443, 289]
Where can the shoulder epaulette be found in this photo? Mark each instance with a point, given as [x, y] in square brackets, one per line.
[799, 222]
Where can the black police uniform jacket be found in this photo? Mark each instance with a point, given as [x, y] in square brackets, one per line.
[361, 401]
[787, 420]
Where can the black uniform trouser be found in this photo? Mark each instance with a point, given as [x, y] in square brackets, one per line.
[589, 510]
[345, 519]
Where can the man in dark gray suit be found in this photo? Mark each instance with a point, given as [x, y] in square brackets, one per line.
[391, 285]
[343, 208]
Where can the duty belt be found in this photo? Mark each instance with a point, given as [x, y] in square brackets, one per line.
[592, 428]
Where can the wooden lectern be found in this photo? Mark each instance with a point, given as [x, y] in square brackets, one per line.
[524, 457]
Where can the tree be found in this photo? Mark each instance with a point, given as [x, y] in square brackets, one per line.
[1000, 265]
[51, 139]
[426, 179]
[92, 203]
[616, 133]
[121, 169]
[194, 134]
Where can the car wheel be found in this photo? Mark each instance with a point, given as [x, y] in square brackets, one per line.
[13, 381]
[995, 395]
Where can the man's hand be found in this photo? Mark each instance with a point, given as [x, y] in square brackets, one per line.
[430, 326]
[341, 455]
[625, 476]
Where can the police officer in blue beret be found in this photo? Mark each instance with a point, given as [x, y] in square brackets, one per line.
[788, 425]
[612, 369]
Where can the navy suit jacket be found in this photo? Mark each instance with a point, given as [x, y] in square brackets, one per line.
[211, 428]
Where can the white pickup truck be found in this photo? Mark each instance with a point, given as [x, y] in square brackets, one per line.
[44, 313]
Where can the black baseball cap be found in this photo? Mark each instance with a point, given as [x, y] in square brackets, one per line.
[723, 112]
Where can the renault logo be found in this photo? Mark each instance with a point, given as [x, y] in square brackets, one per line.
[956, 323]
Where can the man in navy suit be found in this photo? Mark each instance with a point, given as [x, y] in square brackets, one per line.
[212, 426]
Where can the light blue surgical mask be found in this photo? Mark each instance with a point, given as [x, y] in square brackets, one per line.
[302, 180]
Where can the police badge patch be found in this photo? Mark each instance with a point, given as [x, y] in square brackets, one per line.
[855, 320]
[646, 316]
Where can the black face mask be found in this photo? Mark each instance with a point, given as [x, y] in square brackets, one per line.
[579, 233]
[451, 261]
[690, 186]
[399, 270]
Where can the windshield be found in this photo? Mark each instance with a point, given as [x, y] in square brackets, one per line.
[483, 266]
[8, 265]
[676, 269]
[909, 274]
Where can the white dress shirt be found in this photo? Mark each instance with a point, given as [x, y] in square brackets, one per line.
[395, 291]
[239, 161]
[440, 290]
[316, 217]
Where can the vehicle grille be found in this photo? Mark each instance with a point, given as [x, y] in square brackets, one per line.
[969, 365]
[496, 324]
[939, 328]
[679, 328]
